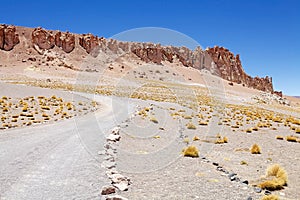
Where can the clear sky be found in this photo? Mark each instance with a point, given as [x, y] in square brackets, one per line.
[264, 32]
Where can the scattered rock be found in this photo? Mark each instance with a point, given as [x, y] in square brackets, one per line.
[113, 138]
[257, 190]
[267, 192]
[120, 181]
[108, 164]
[116, 131]
[101, 152]
[232, 175]
[108, 190]
[122, 186]
[116, 197]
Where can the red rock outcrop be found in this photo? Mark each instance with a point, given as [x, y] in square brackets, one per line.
[227, 65]
[89, 42]
[218, 60]
[8, 37]
[230, 68]
[157, 54]
[278, 93]
[42, 38]
[66, 41]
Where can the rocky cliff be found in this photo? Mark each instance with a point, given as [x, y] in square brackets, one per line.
[218, 60]
[8, 37]
[230, 68]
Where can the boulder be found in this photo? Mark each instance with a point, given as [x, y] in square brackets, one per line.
[106, 190]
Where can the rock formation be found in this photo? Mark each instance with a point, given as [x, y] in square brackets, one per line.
[8, 37]
[157, 54]
[278, 93]
[66, 41]
[42, 39]
[218, 60]
[230, 68]
[89, 42]
[226, 65]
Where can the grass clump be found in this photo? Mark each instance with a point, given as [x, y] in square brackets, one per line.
[154, 120]
[45, 107]
[255, 149]
[276, 178]
[243, 162]
[297, 130]
[203, 123]
[196, 138]
[186, 140]
[270, 197]
[279, 137]
[249, 130]
[191, 151]
[190, 125]
[291, 138]
[221, 140]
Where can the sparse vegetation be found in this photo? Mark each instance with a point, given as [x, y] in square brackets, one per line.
[191, 151]
[249, 130]
[255, 149]
[270, 197]
[291, 138]
[196, 138]
[186, 140]
[190, 125]
[278, 137]
[35, 110]
[221, 140]
[243, 162]
[153, 119]
[203, 123]
[276, 178]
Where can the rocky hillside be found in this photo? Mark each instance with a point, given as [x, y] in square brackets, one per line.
[29, 44]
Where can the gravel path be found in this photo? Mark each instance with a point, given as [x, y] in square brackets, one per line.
[58, 160]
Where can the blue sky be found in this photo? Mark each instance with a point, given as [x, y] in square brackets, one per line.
[264, 32]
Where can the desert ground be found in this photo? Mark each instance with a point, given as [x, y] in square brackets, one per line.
[57, 148]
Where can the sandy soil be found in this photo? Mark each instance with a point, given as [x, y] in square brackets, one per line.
[58, 159]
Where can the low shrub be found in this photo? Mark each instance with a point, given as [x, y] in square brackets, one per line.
[191, 151]
[291, 138]
[277, 178]
[255, 149]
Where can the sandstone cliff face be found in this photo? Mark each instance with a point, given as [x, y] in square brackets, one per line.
[66, 41]
[157, 54]
[230, 68]
[42, 39]
[225, 63]
[89, 42]
[8, 37]
[218, 60]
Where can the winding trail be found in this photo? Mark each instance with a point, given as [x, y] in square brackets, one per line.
[58, 160]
